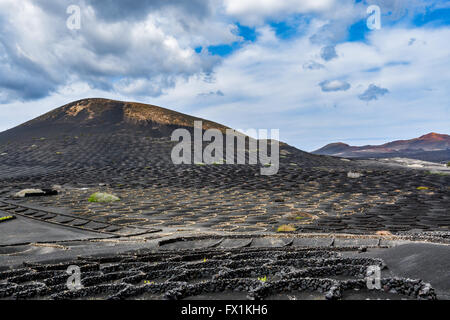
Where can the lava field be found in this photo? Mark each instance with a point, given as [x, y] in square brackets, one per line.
[244, 273]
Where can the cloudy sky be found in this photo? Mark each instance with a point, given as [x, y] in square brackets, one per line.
[315, 69]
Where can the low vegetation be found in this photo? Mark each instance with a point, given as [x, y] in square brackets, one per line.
[286, 228]
[102, 197]
[6, 218]
[438, 173]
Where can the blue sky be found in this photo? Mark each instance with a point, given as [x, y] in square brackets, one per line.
[311, 68]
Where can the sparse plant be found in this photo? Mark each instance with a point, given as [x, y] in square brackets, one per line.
[6, 218]
[102, 197]
[262, 279]
[286, 228]
[438, 173]
[422, 188]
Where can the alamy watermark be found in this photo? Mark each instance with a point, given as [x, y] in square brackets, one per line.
[74, 280]
[73, 22]
[374, 20]
[373, 277]
[213, 153]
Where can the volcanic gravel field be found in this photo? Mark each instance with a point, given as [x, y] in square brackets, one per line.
[160, 200]
[223, 197]
[285, 272]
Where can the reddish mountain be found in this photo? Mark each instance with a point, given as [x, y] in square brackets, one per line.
[427, 147]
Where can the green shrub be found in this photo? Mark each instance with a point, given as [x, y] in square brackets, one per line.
[102, 197]
[286, 228]
[6, 218]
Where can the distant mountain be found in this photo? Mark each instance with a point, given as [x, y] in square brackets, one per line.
[429, 147]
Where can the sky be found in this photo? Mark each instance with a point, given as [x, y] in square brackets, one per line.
[320, 71]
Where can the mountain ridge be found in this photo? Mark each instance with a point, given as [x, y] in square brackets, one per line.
[430, 144]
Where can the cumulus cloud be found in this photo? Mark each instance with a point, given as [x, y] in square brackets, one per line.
[253, 12]
[394, 10]
[212, 93]
[328, 53]
[373, 92]
[313, 65]
[148, 54]
[111, 51]
[334, 85]
[113, 10]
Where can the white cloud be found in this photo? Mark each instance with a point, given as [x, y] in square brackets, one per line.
[271, 83]
[267, 86]
[334, 85]
[373, 92]
[40, 54]
[255, 11]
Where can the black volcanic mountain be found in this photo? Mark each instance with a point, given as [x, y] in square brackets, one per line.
[119, 138]
[90, 116]
[431, 147]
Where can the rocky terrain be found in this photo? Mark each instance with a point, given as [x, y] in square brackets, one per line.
[345, 209]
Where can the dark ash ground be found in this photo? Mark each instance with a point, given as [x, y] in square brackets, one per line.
[209, 231]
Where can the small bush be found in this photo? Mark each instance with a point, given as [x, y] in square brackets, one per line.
[262, 279]
[6, 218]
[102, 197]
[286, 228]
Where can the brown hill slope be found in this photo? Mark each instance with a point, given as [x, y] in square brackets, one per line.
[104, 115]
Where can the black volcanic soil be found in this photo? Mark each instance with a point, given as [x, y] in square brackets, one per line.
[277, 273]
[124, 148]
[100, 150]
